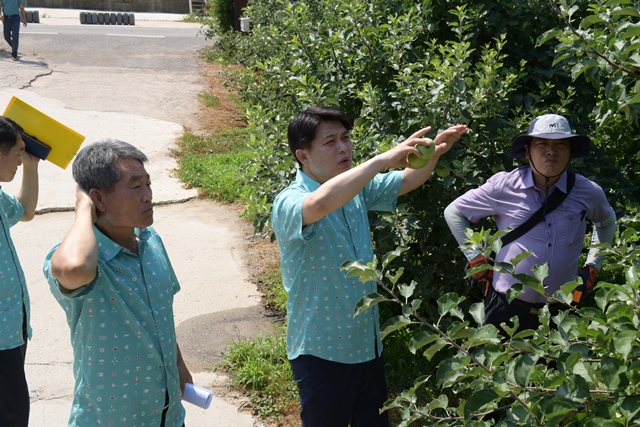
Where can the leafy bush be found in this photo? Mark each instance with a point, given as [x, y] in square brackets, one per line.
[582, 372]
[397, 65]
[223, 14]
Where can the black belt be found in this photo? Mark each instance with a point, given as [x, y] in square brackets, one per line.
[529, 307]
[10, 16]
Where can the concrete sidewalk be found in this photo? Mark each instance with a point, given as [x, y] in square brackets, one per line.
[205, 242]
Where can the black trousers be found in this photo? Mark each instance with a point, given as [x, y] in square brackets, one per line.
[14, 391]
[164, 411]
[498, 310]
[336, 394]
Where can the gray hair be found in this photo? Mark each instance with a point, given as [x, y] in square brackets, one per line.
[95, 165]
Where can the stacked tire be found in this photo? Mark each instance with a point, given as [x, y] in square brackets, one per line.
[107, 18]
[33, 16]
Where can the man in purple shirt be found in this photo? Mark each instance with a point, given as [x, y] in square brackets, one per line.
[512, 197]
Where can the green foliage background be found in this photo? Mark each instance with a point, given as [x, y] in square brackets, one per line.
[397, 65]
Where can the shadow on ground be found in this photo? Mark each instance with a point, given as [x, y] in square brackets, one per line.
[204, 339]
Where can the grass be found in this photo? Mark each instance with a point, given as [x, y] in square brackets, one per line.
[208, 100]
[261, 367]
[192, 17]
[213, 163]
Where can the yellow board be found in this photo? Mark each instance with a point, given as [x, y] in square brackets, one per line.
[63, 142]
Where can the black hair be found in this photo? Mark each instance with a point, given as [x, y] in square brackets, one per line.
[302, 128]
[9, 132]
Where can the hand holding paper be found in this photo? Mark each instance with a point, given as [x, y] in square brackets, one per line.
[197, 395]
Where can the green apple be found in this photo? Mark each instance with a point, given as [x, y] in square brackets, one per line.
[425, 151]
[443, 172]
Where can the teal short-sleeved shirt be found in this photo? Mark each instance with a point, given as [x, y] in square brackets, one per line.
[14, 297]
[321, 300]
[123, 336]
[11, 7]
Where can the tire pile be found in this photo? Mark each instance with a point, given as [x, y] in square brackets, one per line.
[33, 16]
[107, 18]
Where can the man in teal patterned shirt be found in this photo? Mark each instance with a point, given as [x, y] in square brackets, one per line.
[14, 298]
[112, 276]
[320, 221]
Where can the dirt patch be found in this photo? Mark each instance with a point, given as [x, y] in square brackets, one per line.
[225, 114]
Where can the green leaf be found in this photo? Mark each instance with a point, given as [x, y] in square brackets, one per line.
[630, 32]
[523, 368]
[548, 35]
[625, 11]
[407, 290]
[557, 407]
[610, 371]
[478, 400]
[448, 302]
[421, 339]
[630, 407]
[431, 351]
[440, 402]
[390, 256]
[635, 99]
[541, 272]
[369, 301]
[359, 269]
[460, 330]
[393, 278]
[477, 312]
[591, 20]
[623, 342]
[394, 324]
[516, 260]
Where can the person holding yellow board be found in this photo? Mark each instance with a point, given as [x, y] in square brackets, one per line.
[14, 304]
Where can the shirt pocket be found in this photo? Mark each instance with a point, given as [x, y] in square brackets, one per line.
[571, 220]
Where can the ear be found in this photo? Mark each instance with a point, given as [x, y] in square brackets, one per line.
[99, 199]
[302, 156]
[526, 151]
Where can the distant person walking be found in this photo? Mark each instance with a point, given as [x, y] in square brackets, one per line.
[10, 11]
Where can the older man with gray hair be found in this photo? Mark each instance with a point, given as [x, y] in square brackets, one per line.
[112, 276]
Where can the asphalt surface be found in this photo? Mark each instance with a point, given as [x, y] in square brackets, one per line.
[205, 240]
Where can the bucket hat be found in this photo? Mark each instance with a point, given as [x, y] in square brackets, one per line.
[551, 126]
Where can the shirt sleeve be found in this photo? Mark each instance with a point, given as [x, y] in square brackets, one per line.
[286, 216]
[481, 202]
[458, 223]
[54, 285]
[12, 208]
[381, 193]
[175, 283]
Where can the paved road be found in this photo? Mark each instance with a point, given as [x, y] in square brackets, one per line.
[142, 90]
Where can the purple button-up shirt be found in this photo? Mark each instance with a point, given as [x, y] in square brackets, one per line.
[511, 198]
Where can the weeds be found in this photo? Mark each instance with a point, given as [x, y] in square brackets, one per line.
[208, 100]
[261, 367]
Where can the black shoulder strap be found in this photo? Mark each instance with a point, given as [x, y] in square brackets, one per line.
[554, 201]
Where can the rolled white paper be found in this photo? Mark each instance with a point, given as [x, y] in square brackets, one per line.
[197, 395]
